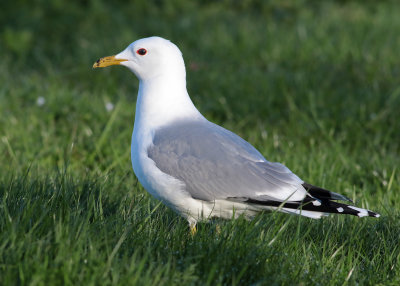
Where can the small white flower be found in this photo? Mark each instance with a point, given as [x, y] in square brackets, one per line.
[88, 131]
[109, 106]
[40, 101]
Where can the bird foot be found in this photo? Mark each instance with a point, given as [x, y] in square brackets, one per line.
[193, 229]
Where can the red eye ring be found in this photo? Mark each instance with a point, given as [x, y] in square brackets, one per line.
[141, 52]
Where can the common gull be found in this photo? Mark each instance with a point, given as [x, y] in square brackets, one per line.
[197, 168]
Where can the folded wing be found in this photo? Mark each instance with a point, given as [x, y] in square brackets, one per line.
[215, 163]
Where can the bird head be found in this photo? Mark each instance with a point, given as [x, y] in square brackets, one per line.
[148, 58]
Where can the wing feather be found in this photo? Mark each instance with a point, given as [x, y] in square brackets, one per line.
[215, 163]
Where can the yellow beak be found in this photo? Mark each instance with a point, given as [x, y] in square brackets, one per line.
[107, 61]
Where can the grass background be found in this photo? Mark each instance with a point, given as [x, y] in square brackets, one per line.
[312, 84]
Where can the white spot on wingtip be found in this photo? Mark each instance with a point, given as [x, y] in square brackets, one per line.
[316, 203]
[361, 212]
[340, 209]
[377, 215]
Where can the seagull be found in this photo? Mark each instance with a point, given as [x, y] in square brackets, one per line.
[199, 169]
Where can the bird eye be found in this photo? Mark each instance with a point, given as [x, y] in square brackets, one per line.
[141, 52]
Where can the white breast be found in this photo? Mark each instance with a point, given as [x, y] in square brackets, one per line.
[164, 187]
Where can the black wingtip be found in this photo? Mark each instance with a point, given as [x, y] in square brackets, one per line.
[323, 194]
[309, 204]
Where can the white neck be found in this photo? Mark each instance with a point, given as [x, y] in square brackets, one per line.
[162, 100]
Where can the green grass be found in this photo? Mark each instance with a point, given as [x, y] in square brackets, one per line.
[312, 84]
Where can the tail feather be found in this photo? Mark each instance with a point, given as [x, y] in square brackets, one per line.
[319, 201]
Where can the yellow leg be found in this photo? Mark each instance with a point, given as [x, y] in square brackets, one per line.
[218, 229]
[193, 228]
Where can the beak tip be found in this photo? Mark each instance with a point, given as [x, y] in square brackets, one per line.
[96, 64]
[107, 61]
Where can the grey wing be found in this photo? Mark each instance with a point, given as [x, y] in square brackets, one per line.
[215, 163]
